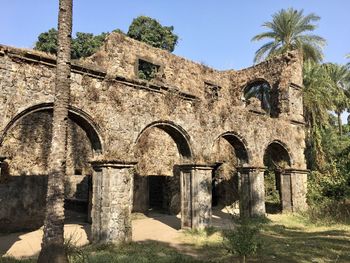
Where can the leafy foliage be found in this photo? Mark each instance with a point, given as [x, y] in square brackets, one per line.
[271, 191]
[47, 41]
[260, 90]
[287, 31]
[243, 239]
[142, 28]
[86, 44]
[340, 81]
[147, 70]
[150, 31]
[83, 45]
[348, 64]
[318, 101]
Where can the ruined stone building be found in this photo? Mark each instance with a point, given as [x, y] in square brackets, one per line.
[151, 130]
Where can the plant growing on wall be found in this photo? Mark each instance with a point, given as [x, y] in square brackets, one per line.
[143, 28]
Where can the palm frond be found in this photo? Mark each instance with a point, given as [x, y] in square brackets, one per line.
[288, 30]
[264, 51]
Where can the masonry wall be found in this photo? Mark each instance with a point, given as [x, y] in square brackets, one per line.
[22, 203]
[124, 110]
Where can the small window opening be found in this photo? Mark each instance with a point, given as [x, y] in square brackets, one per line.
[212, 92]
[261, 91]
[78, 171]
[147, 70]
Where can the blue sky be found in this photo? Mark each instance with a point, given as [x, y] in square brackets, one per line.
[216, 33]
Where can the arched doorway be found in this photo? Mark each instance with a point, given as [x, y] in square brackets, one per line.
[26, 144]
[159, 148]
[229, 153]
[277, 184]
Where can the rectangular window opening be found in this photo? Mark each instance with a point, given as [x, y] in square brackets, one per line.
[212, 91]
[147, 70]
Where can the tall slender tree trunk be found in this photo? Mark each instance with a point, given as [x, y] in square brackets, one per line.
[340, 124]
[52, 250]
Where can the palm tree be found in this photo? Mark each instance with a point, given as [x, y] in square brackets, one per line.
[318, 102]
[53, 240]
[287, 31]
[317, 95]
[340, 79]
[348, 64]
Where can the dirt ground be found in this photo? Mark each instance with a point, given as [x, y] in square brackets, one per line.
[154, 226]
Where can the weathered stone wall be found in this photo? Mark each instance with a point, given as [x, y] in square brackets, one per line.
[22, 203]
[225, 181]
[176, 118]
[27, 146]
[156, 153]
[122, 109]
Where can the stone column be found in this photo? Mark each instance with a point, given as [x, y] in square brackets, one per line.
[286, 191]
[252, 191]
[112, 184]
[298, 181]
[196, 195]
[2, 159]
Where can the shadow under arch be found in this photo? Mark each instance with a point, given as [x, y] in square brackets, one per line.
[277, 152]
[239, 145]
[225, 176]
[253, 81]
[278, 194]
[78, 116]
[176, 132]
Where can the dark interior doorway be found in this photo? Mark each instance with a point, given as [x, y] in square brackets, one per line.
[157, 200]
[276, 159]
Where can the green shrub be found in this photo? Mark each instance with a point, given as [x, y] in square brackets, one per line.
[243, 239]
[328, 212]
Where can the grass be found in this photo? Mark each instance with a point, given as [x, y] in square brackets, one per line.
[283, 238]
[140, 252]
[290, 238]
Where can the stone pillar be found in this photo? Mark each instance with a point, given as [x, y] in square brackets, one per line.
[2, 175]
[286, 191]
[298, 182]
[112, 184]
[196, 195]
[2, 159]
[252, 191]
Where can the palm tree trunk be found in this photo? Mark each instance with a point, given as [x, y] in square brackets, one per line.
[340, 125]
[53, 240]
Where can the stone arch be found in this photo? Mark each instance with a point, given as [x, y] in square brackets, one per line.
[230, 153]
[277, 159]
[25, 140]
[239, 145]
[77, 115]
[159, 148]
[264, 97]
[280, 152]
[176, 132]
[259, 79]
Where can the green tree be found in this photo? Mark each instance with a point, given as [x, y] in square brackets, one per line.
[287, 30]
[47, 41]
[86, 44]
[52, 248]
[339, 77]
[150, 31]
[348, 64]
[318, 101]
[83, 45]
